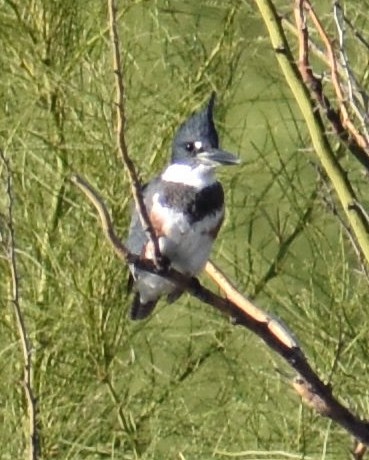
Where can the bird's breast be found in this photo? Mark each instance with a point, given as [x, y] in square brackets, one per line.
[196, 204]
[186, 228]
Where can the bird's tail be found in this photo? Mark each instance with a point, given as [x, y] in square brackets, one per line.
[141, 310]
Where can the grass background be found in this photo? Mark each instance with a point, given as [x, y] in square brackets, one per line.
[185, 384]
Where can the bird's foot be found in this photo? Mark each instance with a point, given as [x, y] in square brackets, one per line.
[163, 264]
[196, 286]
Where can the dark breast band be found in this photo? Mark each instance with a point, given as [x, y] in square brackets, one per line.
[196, 204]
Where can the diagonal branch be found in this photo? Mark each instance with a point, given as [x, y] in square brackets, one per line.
[244, 313]
[34, 448]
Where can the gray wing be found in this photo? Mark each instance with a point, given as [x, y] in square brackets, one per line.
[136, 241]
[137, 237]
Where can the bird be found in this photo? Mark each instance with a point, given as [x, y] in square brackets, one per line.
[185, 204]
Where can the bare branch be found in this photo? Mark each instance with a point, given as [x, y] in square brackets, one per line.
[339, 120]
[313, 47]
[105, 219]
[244, 313]
[352, 84]
[346, 120]
[121, 141]
[357, 34]
[360, 98]
[33, 442]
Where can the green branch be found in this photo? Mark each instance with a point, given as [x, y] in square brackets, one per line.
[333, 169]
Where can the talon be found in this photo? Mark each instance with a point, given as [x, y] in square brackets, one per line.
[163, 264]
[195, 284]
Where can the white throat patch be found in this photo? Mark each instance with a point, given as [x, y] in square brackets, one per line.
[199, 176]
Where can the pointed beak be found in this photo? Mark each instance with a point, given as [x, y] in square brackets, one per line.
[218, 157]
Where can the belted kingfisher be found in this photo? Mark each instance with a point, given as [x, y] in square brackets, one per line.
[186, 208]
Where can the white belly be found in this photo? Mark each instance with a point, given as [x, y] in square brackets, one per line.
[187, 247]
[152, 286]
[190, 251]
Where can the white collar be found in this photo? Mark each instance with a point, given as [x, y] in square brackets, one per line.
[198, 176]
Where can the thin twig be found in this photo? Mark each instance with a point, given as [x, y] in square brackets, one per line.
[357, 34]
[352, 84]
[315, 85]
[316, 50]
[285, 245]
[360, 99]
[337, 14]
[218, 46]
[244, 313]
[329, 202]
[33, 442]
[106, 223]
[125, 422]
[121, 141]
[346, 120]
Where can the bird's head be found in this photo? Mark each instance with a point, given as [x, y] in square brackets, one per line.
[196, 141]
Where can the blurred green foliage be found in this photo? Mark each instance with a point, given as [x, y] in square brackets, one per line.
[185, 384]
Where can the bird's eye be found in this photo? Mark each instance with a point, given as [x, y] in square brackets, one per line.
[190, 146]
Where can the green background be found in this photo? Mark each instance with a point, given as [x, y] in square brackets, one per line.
[185, 384]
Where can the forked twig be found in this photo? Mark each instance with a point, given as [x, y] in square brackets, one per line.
[346, 120]
[359, 100]
[352, 85]
[33, 442]
[340, 119]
